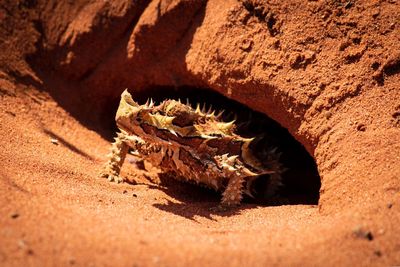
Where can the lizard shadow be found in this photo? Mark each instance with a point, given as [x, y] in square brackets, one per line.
[191, 201]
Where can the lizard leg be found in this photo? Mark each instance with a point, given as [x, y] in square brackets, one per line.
[119, 149]
[233, 192]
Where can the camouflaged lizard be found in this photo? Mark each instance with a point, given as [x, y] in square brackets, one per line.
[193, 145]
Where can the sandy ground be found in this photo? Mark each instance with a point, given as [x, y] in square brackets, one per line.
[56, 211]
[333, 82]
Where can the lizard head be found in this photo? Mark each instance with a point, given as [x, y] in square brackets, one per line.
[127, 113]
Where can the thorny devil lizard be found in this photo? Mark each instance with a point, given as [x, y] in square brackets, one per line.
[191, 145]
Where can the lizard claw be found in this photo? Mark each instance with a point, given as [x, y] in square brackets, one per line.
[112, 178]
[115, 178]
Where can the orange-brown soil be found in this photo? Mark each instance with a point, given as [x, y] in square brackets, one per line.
[328, 71]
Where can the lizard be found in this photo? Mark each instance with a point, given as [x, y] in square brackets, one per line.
[191, 144]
